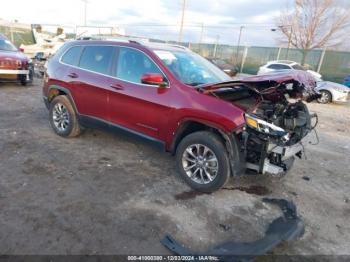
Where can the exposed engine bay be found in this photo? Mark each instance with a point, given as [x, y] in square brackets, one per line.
[277, 119]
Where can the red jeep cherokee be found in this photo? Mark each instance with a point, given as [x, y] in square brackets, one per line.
[167, 94]
[14, 65]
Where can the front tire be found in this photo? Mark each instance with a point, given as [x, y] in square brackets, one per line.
[325, 98]
[63, 119]
[203, 162]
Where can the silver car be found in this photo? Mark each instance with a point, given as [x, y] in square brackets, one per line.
[283, 65]
[332, 92]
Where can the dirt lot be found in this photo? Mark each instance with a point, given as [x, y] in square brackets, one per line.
[107, 194]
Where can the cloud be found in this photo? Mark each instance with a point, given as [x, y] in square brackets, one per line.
[220, 17]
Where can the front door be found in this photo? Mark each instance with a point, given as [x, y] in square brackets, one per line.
[132, 104]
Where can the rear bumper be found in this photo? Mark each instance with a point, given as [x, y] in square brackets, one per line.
[13, 72]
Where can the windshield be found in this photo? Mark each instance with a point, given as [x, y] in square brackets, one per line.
[190, 68]
[7, 45]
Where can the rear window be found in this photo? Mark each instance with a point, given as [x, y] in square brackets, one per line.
[278, 66]
[71, 57]
[97, 58]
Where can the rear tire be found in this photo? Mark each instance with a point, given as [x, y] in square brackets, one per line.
[325, 98]
[203, 162]
[63, 119]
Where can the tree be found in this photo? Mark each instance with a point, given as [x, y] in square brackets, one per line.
[314, 24]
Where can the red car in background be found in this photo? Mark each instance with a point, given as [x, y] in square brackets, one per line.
[14, 65]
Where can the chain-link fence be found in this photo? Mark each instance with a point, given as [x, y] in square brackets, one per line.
[18, 35]
[334, 66]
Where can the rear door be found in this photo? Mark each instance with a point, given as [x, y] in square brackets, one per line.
[90, 80]
[136, 106]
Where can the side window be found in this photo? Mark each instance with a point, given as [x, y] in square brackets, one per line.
[273, 66]
[285, 67]
[132, 64]
[278, 66]
[71, 57]
[97, 58]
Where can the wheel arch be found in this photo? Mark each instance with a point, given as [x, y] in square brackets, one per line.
[229, 139]
[189, 126]
[56, 90]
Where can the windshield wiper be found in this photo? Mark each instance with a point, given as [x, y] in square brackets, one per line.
[194, 84]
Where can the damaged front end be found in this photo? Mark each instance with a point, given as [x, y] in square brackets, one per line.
[277, 120]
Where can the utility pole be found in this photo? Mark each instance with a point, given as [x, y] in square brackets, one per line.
[289, 41]
[85, 10]
[182, 20]
[216, 46]
[201, 37]
[239, 42]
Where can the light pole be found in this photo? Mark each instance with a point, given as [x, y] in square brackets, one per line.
[201, 37]
[239, 42]
[289, 36]
[85, 10]
[182, 20]
[216, 45]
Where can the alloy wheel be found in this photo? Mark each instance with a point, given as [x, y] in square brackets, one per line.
[60, 117]
[200, 163]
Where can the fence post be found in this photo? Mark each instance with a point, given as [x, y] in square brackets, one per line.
[321, 60]
[245, 53]
[216, 45]
[11, 35]
[279, 53]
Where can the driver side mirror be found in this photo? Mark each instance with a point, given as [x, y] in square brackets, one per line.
[154, 79]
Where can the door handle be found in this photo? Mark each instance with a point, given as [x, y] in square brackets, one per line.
[117, 86]
[73, 75]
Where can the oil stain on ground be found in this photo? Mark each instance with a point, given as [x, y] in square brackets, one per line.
[255, 190]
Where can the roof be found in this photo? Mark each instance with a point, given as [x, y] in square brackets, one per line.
[288, 62]
[124, 40]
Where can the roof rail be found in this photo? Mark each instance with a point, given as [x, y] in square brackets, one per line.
[134, 42]
[179, 46]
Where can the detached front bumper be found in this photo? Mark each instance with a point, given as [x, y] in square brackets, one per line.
[288, 227]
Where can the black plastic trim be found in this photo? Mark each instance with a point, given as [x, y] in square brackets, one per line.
[94, 122]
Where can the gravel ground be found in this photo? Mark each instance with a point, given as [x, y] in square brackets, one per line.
[108, 194]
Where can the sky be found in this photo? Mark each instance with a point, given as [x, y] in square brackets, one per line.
[161, 18]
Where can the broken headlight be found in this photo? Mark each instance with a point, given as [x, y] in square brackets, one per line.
[265, 127]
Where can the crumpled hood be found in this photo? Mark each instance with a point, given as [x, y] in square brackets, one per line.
[298, 84]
